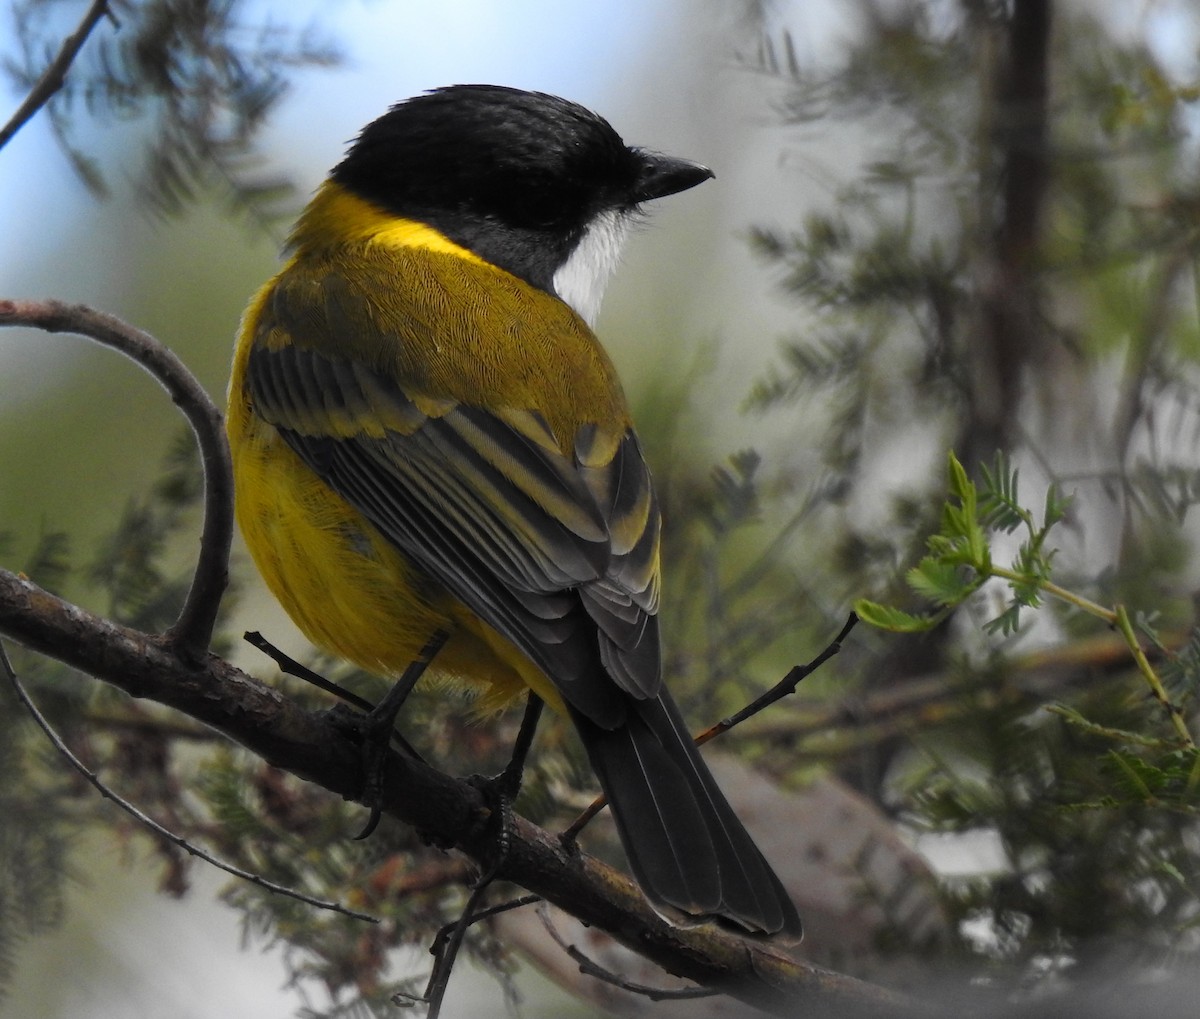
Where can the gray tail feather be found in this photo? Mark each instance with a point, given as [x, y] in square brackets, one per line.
[685, 845]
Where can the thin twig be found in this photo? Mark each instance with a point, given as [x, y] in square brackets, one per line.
[55, 75]
[148, 822]
[448, 941]
[1147, 670]
[785, 686]
[938, 700]
[445, 948]
[191, 633]
[439, 979]
[290, 667]
[589, 967]
[501, 907]
[446, 811]
[1049, 587]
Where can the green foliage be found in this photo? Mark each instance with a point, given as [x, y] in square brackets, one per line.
[35, 840]
[38, 797]
[896, 271]
[957, 295]
[1087, 860]
[34, 844]
[1172, 780]
[201, 77]
[1114, 773]
[1180, 669]
[901, 273]
[886, 266]
[959, 560]
[49, 560]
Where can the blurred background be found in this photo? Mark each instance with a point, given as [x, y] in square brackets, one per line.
[934, 225]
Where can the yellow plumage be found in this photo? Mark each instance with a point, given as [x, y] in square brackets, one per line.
[347, 588]
[428, 438]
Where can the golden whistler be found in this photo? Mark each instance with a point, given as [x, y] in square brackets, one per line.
[429, 439]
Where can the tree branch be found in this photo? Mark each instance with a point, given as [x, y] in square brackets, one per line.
[192, 631]
[1009, 339]
[145, 820]
[175, 669]
[55, 76]
[446, 811]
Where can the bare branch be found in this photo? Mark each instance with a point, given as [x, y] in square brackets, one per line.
[175, 670]
[591, 968]
[1009, 341]
[782, 689]
[56, 74]
[446, 811]
[290, 667]
[192, 631]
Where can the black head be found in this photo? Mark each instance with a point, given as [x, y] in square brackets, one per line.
[517, 177]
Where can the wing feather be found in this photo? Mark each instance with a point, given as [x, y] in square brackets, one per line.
[489, 504]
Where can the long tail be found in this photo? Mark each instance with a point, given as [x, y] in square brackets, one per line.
[685, 845]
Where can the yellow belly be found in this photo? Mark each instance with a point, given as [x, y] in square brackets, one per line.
[346, 587]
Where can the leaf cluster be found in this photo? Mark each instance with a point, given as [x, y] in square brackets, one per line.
[1113, 769]
[1090, 872]
[43, 806]
[200, 78]
[35, 845]
[959, 560]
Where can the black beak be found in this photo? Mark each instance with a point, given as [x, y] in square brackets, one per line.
[664, 175]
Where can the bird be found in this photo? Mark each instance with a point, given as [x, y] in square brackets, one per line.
[430, 444]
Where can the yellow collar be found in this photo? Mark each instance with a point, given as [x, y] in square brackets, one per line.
[336, 216]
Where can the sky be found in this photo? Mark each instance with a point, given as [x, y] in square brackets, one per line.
[393, 51]
[662, 71]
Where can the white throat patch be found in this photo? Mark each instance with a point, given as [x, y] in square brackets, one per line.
[581, 279]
